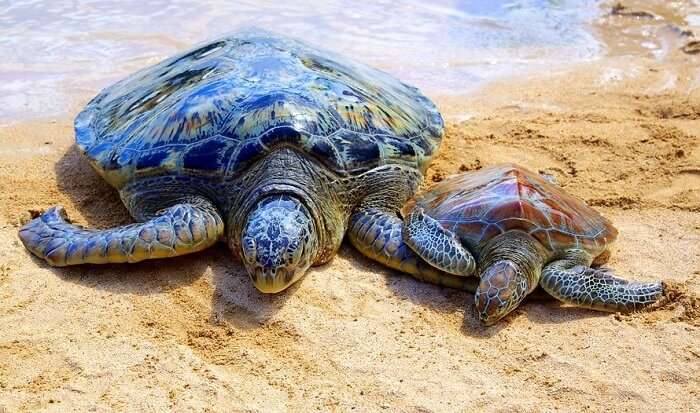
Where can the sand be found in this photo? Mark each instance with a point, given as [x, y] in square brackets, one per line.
[192, 334]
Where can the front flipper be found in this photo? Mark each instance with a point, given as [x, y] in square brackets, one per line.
[180, 229]
[436, 245]
[377, 234]
[572, 281]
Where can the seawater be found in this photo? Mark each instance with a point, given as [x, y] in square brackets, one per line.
[55, 55]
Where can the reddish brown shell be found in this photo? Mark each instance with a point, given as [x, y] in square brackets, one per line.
[480, 205]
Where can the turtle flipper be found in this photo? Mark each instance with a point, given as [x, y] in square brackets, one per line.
[572, 281]
[180, 229]
[377, 234]
[436, 245]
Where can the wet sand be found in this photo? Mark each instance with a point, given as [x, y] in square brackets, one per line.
[192, 333]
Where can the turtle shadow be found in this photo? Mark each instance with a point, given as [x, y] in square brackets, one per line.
[234, 298]
[538, 307]
[96, 200]
[99, 204]
[556, 312]
[537, 310]
[143, 278]
[404, 286]
[237, 302]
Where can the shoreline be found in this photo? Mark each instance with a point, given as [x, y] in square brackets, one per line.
[192, 333]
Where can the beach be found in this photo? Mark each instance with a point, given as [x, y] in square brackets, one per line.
[621, 132]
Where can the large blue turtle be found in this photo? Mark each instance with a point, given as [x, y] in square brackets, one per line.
[255, 139]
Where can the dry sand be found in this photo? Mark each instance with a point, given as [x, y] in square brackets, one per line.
[192, 333]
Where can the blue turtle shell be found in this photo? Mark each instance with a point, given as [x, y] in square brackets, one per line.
[214, 110]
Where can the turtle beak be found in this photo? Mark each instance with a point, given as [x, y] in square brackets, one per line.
[271, 281]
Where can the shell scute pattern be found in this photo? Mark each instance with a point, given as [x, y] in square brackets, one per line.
[216, 109]
[483, 204]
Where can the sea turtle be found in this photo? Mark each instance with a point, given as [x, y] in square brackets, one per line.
[256, 139]
[523, 230]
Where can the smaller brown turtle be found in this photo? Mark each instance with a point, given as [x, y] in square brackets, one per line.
[523, 230]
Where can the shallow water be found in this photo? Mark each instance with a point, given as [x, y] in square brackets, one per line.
[54, 55]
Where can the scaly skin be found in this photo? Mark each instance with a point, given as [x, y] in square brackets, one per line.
[571, 280]
[509, 269]
[322, 195]
[437, 245]
[279, 242]
[377, 234]
[376, 230]
[180, 229]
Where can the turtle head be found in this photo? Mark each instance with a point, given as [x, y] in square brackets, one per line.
[502, 287]
[279, 242]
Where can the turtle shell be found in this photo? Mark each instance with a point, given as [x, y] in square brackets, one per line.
[215, 109]
[480, 205]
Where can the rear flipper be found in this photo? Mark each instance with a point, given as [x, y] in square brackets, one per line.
[572, 281]
[180, 229]
[378, 235]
